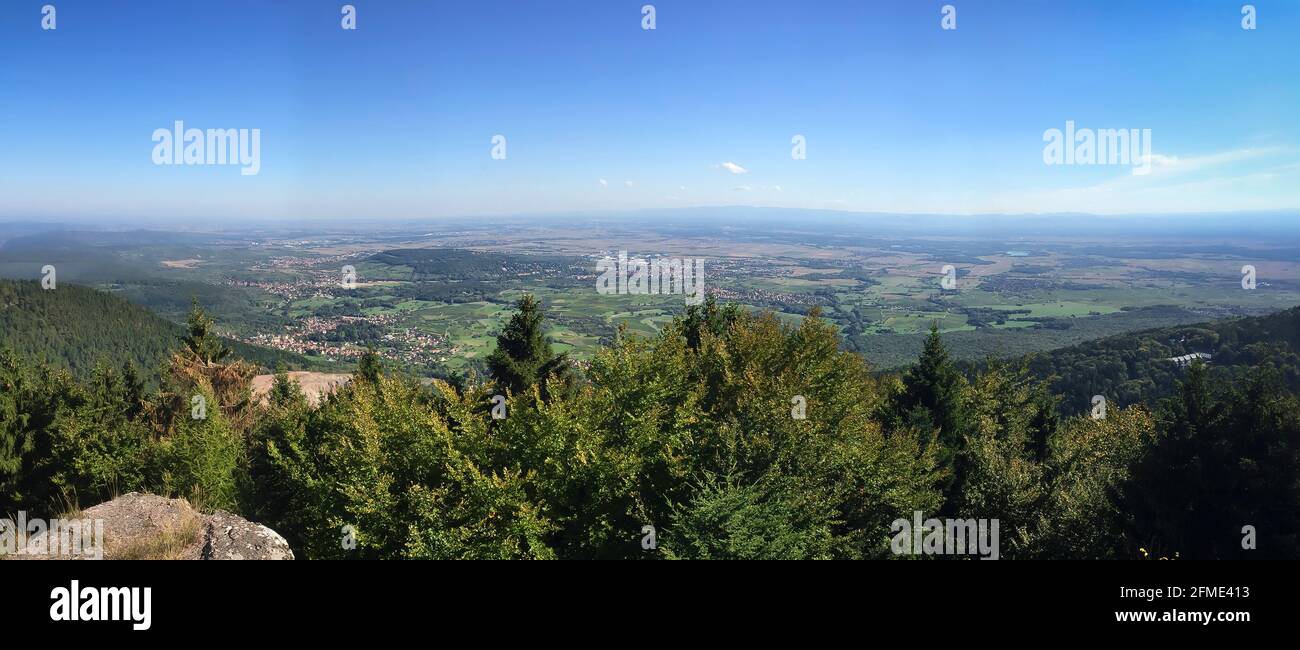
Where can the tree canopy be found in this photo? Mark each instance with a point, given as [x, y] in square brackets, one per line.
[726, 435]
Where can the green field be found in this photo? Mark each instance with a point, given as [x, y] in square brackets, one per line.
[880, 294]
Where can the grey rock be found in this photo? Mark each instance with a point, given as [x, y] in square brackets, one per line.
[147, 526]
[230, 537]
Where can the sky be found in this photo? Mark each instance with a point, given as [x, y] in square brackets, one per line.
[396, 118]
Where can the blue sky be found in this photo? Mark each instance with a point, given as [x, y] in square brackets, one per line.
[395, 119]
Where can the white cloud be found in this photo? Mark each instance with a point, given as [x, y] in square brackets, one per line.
[1162, 164]
[629, 183]
[604, 183]
[733, 168]
[1234, 179]
[741, 188]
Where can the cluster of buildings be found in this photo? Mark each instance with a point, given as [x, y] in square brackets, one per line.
[413, 346]
[296, 341]
[762, 297]
[408, 345]
[1187, 359]
[324, 275]
[319, 285]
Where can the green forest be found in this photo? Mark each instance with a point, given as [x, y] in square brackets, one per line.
[730, 435]
[78, 328]
[1134, 368]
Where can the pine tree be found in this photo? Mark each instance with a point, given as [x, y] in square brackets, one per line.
[201, 366]
[1221, 462]
[523, 356]
[199, 338]
[931, 400]
[932, 392]
[285, 392]
[135, 390]
[370, 368]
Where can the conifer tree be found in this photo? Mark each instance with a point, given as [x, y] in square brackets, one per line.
[523, 356]
[931, 400]
[932, 391]
[285, 391]
[370, 368]
[1221, 462]
[201, 366]
[135, 389]
[199, 338]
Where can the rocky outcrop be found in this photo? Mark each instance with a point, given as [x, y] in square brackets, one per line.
[140, 526]
[230, 537]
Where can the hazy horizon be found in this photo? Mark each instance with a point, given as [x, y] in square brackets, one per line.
[1274, 227]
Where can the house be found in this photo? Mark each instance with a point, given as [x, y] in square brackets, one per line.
[1187, 359]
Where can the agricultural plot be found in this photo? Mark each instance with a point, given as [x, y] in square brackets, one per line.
[439, 300]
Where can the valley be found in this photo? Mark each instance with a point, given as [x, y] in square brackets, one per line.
[433, 298]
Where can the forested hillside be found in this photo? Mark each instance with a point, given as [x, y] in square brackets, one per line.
[890, 351]
[725, 435]
[1134, 368]
[75, 327]
[455, 265]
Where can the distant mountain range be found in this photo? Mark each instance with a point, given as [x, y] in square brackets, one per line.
[1273, 226]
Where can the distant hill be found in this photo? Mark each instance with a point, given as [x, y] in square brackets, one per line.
[892, 351]
[461, 265]
[75, 326]
[1136, 367]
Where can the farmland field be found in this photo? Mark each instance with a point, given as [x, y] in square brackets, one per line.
[435, 302]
